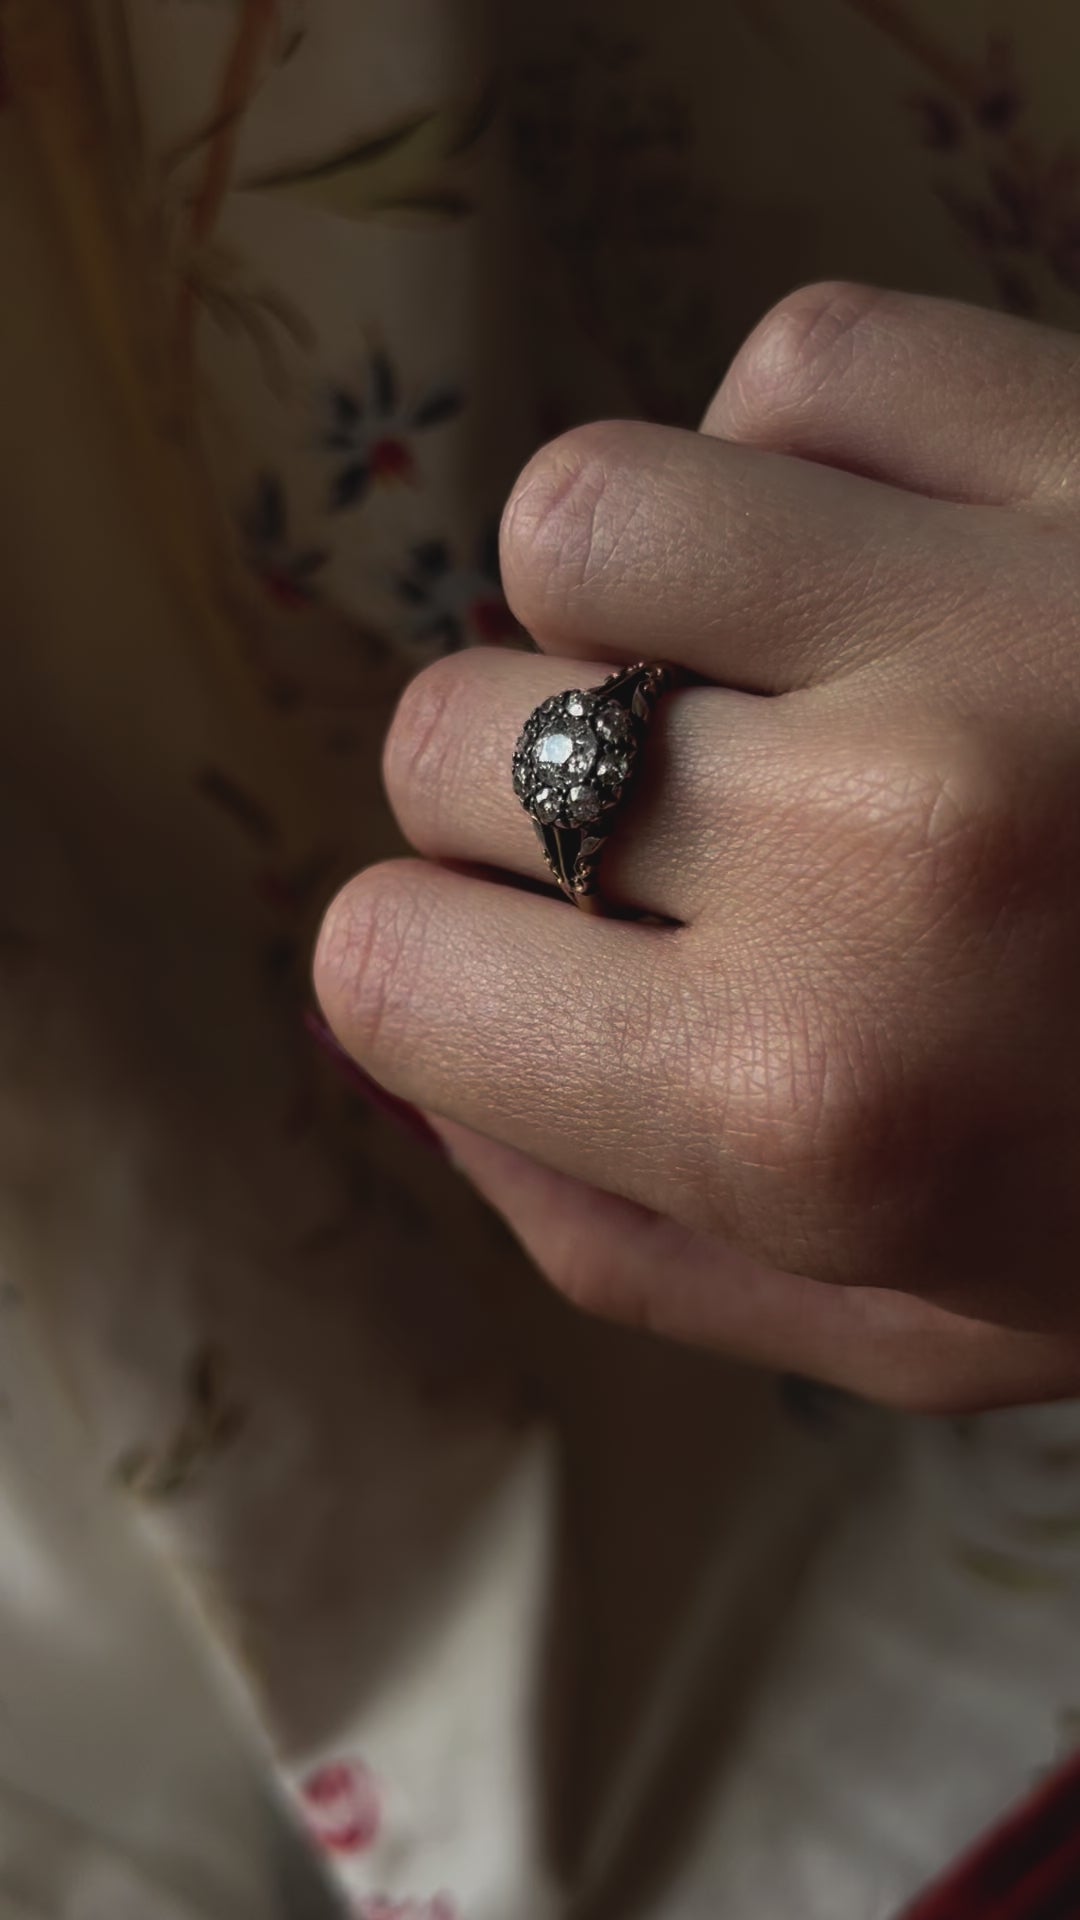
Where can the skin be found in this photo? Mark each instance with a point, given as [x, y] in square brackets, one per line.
[828, 1119]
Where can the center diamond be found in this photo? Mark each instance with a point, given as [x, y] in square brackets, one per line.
[554, 750]
[572, 752]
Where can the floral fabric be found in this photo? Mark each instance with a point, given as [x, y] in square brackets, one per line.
[508, 1614]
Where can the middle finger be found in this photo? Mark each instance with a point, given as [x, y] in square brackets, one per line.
[624, 540]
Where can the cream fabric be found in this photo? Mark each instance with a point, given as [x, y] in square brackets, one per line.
[305, 1483]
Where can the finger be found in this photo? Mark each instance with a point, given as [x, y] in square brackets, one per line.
[447, 770]
[516, 1015]
[921, 393]
[625, 540]
[614, 1259]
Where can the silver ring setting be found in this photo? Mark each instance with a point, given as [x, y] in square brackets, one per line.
[574, 764]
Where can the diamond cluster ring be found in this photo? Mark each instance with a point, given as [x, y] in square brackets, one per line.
[575, 763]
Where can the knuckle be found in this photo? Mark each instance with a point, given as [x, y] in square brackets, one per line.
[551, 524]
[914, 849]
[423, 742]
[367, 956]
[960, 843]
[808, 341]
[830, 1141]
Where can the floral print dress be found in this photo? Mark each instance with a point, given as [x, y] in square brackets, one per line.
[344, 1569]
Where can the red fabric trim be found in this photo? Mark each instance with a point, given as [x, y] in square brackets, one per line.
[1028, 1868]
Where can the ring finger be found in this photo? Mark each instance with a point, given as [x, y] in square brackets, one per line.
[448, 776]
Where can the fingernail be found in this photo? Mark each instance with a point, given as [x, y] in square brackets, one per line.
[408, 1118]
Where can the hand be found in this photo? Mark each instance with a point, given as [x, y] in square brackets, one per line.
[856, 1056]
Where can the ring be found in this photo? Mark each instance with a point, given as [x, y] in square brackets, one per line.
[574, 764]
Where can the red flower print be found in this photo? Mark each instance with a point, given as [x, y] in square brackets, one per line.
[493, 620]
[392, 460]
[370, 427]
[289, 572]
[343, 1807]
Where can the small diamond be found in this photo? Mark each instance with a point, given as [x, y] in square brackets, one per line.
[584, 804]
[612, 722]
[575, 705]
[546, 806]
[613, 766]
